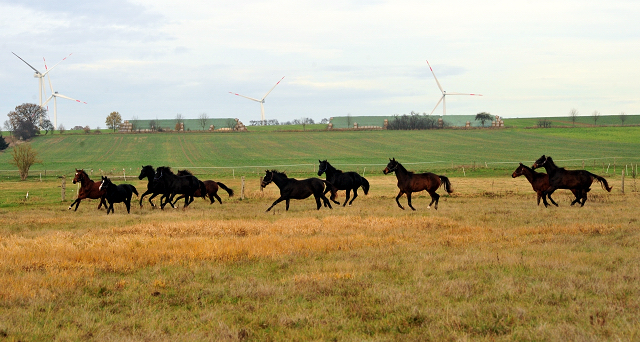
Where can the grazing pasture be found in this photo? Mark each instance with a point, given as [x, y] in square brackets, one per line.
[488, 265]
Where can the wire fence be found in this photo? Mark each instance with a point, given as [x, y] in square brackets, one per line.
[605, 166]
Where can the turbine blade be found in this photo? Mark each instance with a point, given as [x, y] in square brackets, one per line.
[265, 95]
[448, 93]
[437, 104]
[46, 72]
[25, 62]
[67, 97]
[246, 97]
[434, 76]
[47, 101]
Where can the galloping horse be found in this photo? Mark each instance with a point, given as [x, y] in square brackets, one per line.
[211, 186]
[118, 193]
[409, 182]
[297, 189]
[174, 184]
[154, 188]
[88, 189]
[539, 181]
[343, 181]
[559, 178]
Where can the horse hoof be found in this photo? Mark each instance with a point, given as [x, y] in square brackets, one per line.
[429, 207]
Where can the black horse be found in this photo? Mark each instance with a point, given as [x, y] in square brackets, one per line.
[211, 186]
[297, 189]
[559, 178]
[409, 182]
[153, 188]
[343, 181]
[174, 184]
[118, 193]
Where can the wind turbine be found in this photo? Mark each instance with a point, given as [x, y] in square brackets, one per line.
[444, 94]
[54, 96]
[40, 76]
[261, 100]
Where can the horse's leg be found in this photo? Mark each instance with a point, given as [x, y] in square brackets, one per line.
[332, 197]
[141, 197]
[346, 199]
[76, 202]
[552, 201]
[286, 202]
[276, 202]
[326, 201]
[539, 193]
[397, 197]
[217, 197]
[150, 198]
[584, 198]
[434, 198]
[355, 194]
[409, 201]
[127, 202]
[317, 198]
[546, 193]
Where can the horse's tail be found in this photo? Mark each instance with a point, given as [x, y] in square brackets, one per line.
[602, 181]
[447, 184]
[227, 189]
[134, 190]
[365, 185]
[203, 188]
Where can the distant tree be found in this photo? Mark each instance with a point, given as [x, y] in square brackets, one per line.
[47, 126]
[349, 120]
[135, 125]
[9, 127]
[623, 117]
[324, 121]
[25, 130]
[179, 121]
[152, 125]
[28, 112]
[596, 116]
[3, 143]
[61, 129]
[413, 121]
[573, 116]
[86, 129]
[24, 157]
[113, 121]
[483, 117]
[202, 120]
[77, 128]
[544, 123]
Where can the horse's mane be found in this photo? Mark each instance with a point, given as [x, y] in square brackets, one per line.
[185, 172]
[278, 172]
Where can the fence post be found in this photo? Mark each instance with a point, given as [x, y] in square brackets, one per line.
[63, 187]
[622, 187]
[124, 174]
[242, 189]
[261, 188]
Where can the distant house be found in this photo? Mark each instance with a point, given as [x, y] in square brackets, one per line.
[211, 124]
[342, 122]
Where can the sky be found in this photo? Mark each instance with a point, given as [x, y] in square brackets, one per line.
[156, 59]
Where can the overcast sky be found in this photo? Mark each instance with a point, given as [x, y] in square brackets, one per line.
[154, 59]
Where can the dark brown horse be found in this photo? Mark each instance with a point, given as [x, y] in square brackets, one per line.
[88, 189]
[409, 182]
[211, 186]
[559, 178]
[539, 181]
[297, 189]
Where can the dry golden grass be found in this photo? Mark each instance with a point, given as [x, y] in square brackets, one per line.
[489, 264]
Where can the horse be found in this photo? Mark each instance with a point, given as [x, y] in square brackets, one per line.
[296, 189]
[409, 182]
[174, 184]
[559, 178]
[211, 186]
[539, 181]
[118, 193]
[88, 189]
[154, 188]
[343, 181]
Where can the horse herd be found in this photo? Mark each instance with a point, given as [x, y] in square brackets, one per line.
[162, 181]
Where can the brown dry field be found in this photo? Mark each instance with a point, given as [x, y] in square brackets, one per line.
[488, 265]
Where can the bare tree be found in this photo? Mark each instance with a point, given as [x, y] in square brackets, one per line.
[179, 121]
[23, 157]
[134, 124]
[573, 116]
[202, 120]
[623, 117]
[596, 116]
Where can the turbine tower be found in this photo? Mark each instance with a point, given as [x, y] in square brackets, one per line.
[40, 76]
[444, 94]
[54, 96]
[261, 100]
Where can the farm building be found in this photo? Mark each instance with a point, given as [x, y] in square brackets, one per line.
[211, 124]
[342, 122]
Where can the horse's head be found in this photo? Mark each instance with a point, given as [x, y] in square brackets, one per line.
[267, 179]
[518, 171]
[391, 167]
[540, 162]
[322, 167]
[147, 171]
[106, 182]
[161, 172]
[80, 176]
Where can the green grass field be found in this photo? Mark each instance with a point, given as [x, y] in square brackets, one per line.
[481, 152]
